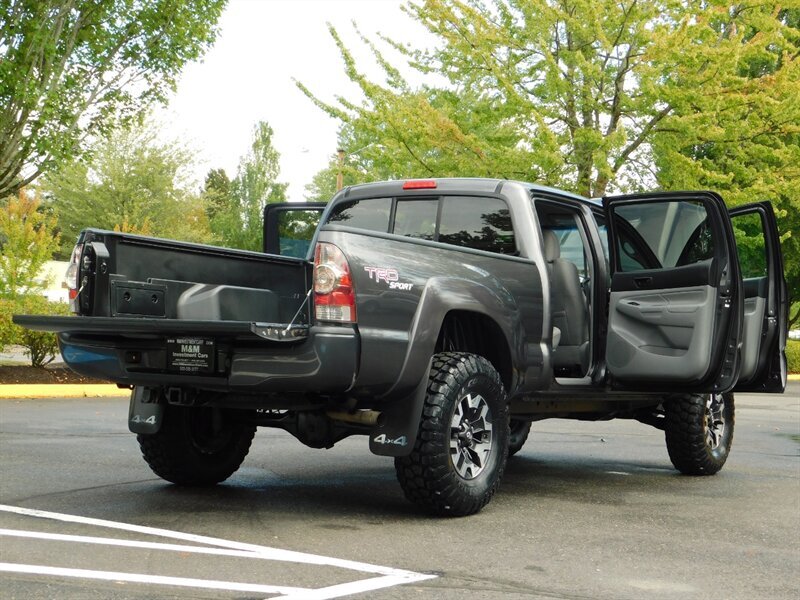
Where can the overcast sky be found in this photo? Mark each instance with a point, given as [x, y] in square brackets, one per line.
[247, 77]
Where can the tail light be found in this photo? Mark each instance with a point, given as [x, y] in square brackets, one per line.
[334, 297]
[71, 277]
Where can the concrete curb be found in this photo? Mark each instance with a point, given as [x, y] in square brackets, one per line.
[58, 390]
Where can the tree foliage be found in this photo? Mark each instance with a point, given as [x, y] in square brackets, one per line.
[739, 132]
[27, 240]
[70, 69]
[323, 185]
[132, 182]
[216, 192]
[237, 208]
[559, 92]
[592, 96]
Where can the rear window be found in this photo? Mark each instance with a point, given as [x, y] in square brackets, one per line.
[467, 221]
[372, 214]
[416, 218]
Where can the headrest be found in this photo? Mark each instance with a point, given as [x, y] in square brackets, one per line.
[552, 249]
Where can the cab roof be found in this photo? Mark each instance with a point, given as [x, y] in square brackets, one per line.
[447, 185]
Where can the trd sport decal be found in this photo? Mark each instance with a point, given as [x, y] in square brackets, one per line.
[390, 276]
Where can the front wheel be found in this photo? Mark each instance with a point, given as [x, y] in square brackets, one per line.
[699, 432]
[462, 442]
[197, 446]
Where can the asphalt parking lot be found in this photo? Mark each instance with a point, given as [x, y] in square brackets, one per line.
[586, 510]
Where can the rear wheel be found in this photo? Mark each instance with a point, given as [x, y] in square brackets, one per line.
[462, 442]
[699, 432]
[197, 446]
[519, 431]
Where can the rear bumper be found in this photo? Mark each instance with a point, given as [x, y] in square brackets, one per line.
[325, 362]
[149, 327]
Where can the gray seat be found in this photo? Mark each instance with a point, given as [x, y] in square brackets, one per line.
[569, 310]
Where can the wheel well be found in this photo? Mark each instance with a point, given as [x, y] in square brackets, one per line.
[465, 331]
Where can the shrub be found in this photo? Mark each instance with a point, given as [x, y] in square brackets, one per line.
[40, 346]
[793, 355]
[8, 331]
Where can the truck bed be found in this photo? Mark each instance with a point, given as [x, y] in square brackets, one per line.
[124, 275]
[163, 312]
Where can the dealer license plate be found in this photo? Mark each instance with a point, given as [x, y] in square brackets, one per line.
[190, 355]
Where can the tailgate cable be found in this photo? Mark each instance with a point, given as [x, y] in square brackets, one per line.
[299, 310]
[84, 283]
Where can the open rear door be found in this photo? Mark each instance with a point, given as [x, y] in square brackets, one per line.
[675, 309]
[290, 226]
[762, 354]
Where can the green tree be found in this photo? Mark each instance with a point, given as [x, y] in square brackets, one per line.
[239, 224]
[354, 170]
[739, 133]
[132, 182]
[593, 96]
[559, 92]
[27, 241]
[216, 192]
[71, 69]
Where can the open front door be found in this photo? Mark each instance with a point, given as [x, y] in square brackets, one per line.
[675, 307]
[762, 354]
[290, 226]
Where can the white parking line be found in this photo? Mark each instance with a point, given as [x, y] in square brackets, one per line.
[388, 577]
[347, 589]
[85, 539]
[208, 584]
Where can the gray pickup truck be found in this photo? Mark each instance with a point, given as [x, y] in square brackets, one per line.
[439, 318]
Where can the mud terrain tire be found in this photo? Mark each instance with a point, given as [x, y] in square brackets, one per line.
[197, 446]
[461, 448]
[699, 432]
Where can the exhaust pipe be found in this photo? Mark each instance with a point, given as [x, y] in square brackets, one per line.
[360, 417]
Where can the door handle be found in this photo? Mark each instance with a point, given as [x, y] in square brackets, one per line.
[642, 282]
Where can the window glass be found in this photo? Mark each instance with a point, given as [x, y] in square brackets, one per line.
[480, 223]
[750, 245]
[663, 234]
[416, 218]
[571, 245]
[629, 259]
[295, 230]
[602, 229]
[372, 214]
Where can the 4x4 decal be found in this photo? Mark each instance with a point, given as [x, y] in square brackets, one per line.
[382, 439]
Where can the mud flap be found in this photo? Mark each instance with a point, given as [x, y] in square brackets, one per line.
[397, 428]
[145, 414]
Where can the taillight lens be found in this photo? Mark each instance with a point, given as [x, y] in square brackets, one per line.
[334, 297]
[71, 277]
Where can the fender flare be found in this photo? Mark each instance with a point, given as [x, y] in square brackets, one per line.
[396, 430]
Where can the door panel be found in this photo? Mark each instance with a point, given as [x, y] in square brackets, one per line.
[675, 304]
[656, 336]
[699, 273]
[754, 309]
[765, 307]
